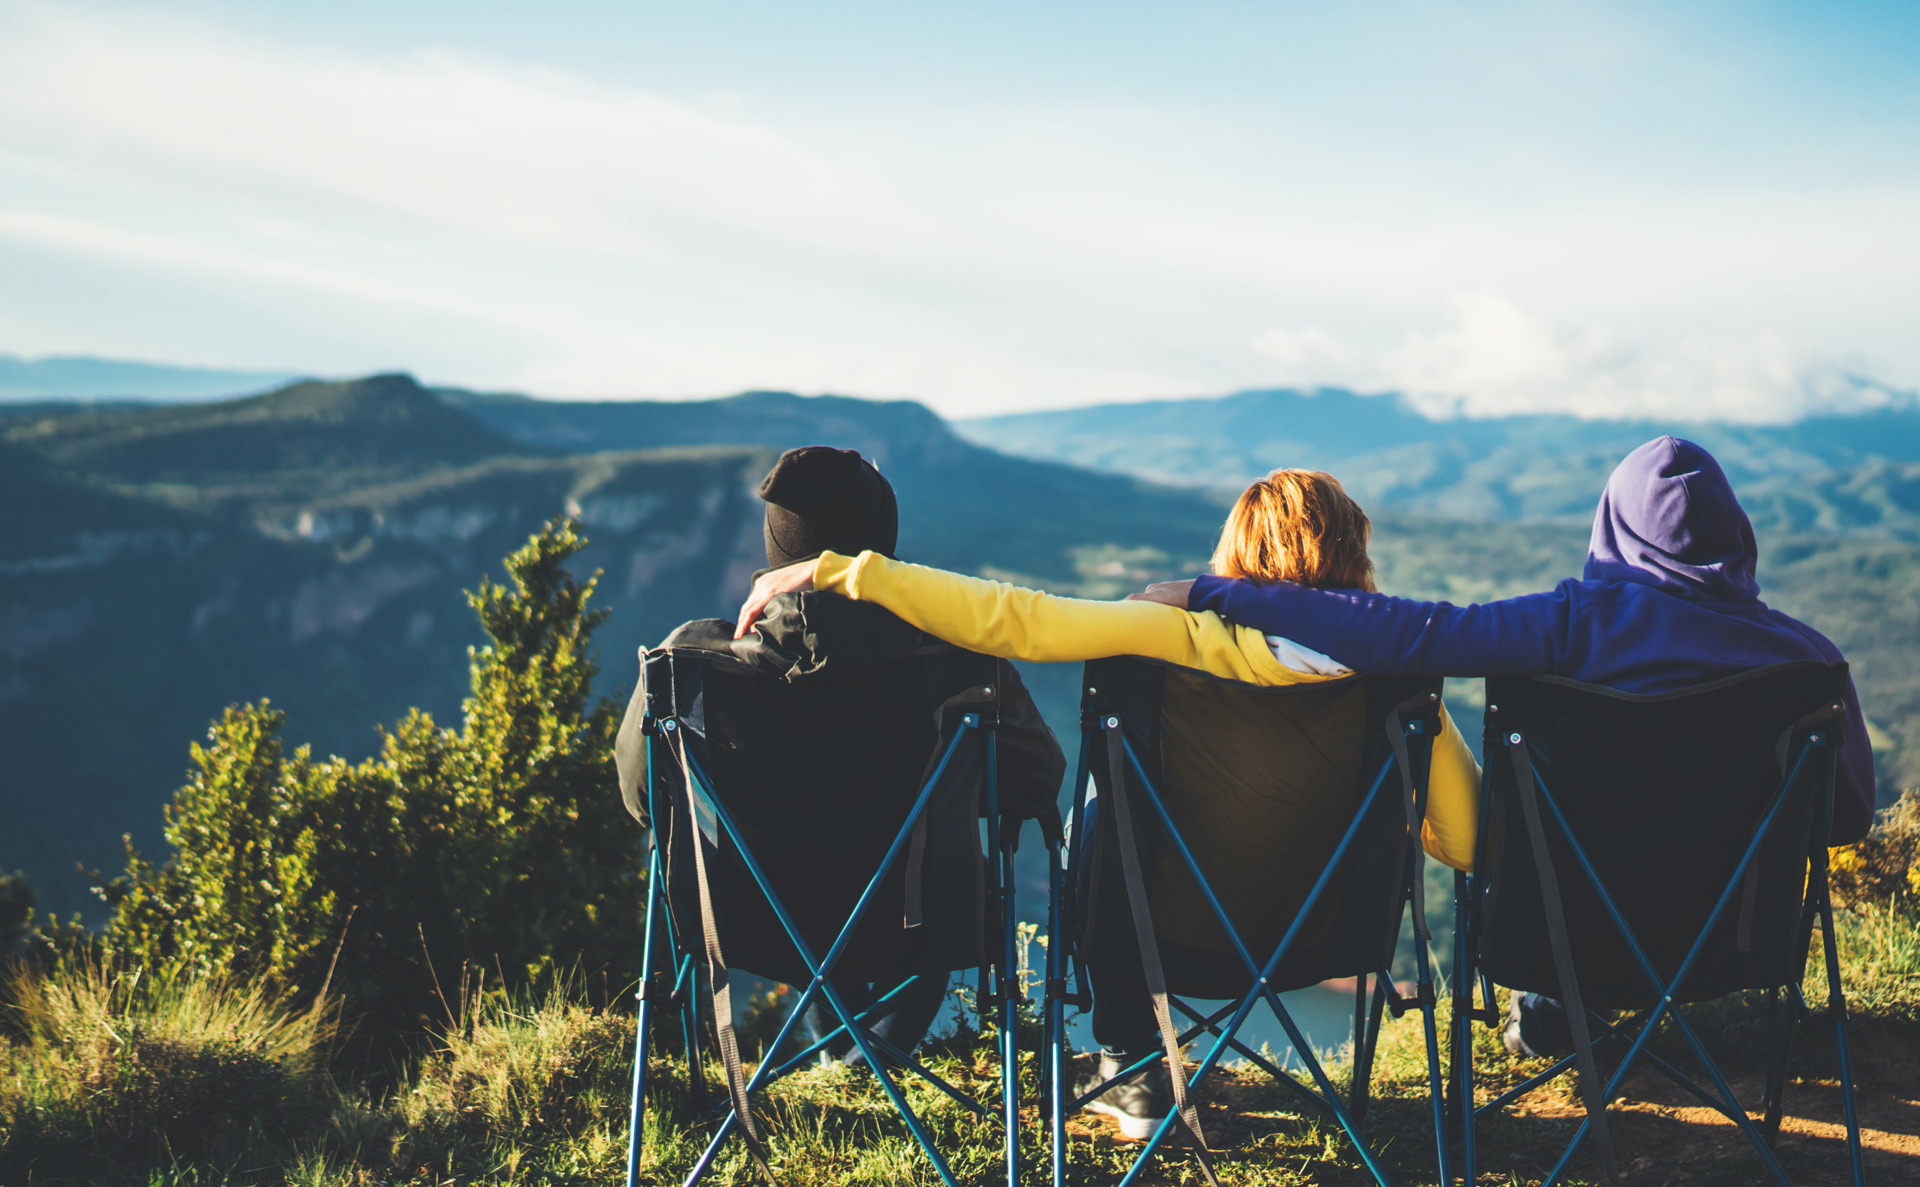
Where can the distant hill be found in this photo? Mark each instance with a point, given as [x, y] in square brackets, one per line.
[963, 506]
[297, 442]
[310, 545]
[86, 378]
[1877, 499]
[1515, 467]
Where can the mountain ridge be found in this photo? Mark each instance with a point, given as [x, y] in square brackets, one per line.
[1390, 454]
[143, 596]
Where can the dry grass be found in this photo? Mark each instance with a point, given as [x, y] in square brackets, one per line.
[114, 1069]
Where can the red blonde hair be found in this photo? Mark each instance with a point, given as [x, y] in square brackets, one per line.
[1300, 526]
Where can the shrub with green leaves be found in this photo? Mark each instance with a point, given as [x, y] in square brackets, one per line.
[452, 859]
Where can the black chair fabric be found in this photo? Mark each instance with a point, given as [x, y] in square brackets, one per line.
[1353, 928]
[820, 774]
[1664, 792]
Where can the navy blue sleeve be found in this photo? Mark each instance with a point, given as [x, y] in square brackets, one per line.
[1380, 635]
[1854, 792]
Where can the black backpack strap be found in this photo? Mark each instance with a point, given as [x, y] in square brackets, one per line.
[1592, 1090]
[720, 993]
[1149, 947]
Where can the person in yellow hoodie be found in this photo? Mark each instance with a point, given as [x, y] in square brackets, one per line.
[1293, 525]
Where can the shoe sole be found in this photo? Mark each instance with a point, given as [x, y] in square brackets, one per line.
[1134, 1129]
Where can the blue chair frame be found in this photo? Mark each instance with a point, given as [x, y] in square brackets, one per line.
[1063, 1101]
[666, 744]
[1820, 745]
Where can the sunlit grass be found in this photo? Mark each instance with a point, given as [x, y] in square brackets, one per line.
[115, 1068]
[117, 1078]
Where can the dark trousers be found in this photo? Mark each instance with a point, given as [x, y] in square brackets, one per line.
[902, 1021]
[1123, 1022]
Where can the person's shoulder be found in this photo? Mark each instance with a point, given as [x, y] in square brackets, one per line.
[1827, 649]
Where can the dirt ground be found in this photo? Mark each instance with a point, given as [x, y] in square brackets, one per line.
[1663, 1135]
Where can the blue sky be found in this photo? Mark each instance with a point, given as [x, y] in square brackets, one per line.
[1708, 209]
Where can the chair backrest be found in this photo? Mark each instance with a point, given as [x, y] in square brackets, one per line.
[1664, 793]
[1262, 782]
[819, 773]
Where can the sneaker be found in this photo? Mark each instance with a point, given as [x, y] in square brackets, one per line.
[1537, 1028]
[1138, 1103]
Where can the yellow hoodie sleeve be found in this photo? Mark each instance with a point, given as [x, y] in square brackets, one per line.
[999, 619]
[996, 618]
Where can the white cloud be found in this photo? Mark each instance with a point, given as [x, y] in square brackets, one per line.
[1497, 358]
[1311, 355]
[182, 192]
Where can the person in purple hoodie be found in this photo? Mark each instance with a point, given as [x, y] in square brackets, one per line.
[1669, 599]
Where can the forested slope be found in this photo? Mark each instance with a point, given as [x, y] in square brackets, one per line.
[310, 545]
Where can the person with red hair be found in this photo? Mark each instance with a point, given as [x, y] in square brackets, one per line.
[1295, 526]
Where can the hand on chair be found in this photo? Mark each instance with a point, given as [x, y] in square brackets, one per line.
[1167, 593]
[770, 585]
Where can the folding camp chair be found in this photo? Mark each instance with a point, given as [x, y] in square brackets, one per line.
[822, 830]
[1643, 851]
[1313, 763]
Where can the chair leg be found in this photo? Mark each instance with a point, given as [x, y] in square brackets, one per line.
[1367, 1029]
[1837, 1010]
[690, 1031]
[1054, 1034]
[1355, 1092]
[686, 987]
[1461, 1006]
[1003, 838]
[1460, 1031]
[1010, 1019]
[1781, 1024]
[642, 1028]
[1436, 1091]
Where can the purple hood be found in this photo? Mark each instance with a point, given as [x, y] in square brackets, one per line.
[1669, 601]
[1669, 519]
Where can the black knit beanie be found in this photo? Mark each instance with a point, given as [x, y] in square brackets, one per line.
[820, 499]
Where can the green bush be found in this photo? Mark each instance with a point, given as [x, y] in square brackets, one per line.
[120, 1068]
[499, 851]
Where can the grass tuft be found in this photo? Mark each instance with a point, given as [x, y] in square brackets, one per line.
[119, 1070]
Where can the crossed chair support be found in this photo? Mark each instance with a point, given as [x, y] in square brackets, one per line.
[1541, 808]
[1453, 1107]
[1322, 1096]
[974, 729]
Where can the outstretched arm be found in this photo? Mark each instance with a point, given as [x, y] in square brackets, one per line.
[1378, 634]
[996, 618]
